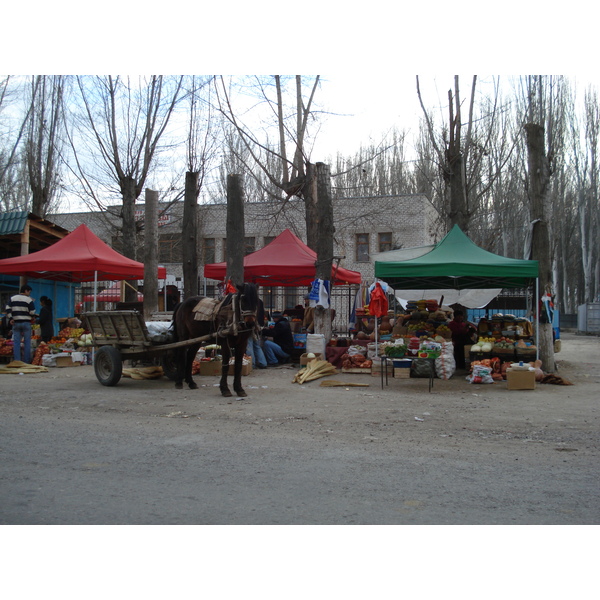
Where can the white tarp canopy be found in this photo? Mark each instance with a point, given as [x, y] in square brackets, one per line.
[467, 298]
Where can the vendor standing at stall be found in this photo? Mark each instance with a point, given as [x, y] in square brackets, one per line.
[462, 335]
[45, 319]
[21, 311]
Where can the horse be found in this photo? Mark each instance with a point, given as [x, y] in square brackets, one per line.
[232, 322]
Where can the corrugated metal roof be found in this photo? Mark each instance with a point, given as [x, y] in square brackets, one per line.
[13, 222]
[40, 235]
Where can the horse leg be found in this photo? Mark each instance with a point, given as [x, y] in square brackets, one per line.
[240, 349]
[225, 354]
[190, 355]
[179, 362]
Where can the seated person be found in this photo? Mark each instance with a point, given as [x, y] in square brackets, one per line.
[278, 344]
[254, 348]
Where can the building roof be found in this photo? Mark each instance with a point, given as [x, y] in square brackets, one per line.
[39, 232]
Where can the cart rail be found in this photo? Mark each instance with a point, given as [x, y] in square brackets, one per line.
[127, 331]
[122, 334]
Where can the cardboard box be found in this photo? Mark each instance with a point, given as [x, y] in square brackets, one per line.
[210, 367]
[246, 369]
[304, 360]
[377, 367]
[66, 361]
[401, 373]
[520, 380]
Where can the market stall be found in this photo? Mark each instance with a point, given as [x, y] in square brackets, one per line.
[78, 257]
[456, 264]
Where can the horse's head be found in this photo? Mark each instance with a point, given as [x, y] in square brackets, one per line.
[248, 302]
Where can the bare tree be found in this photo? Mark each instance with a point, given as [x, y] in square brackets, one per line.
[43, 142]
[544, 136]
[462, 153]
[200, 144]
[586, 171]
[293, 176]
[122, 126]
[13, 191]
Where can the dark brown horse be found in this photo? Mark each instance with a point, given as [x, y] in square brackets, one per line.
[233, 325]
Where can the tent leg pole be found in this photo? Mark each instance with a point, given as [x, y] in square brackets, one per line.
[537, 318]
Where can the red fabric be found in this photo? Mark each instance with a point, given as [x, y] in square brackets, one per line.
[286, 261]
[378, 305]
[79, 256]
[230, 288]
[111, 294]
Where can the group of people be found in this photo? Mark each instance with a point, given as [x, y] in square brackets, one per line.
[20, 315]
[275, 344]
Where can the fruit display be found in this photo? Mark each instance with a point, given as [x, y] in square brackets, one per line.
[356, 361]
[443, 331]
[71, 332]
[42, 349]
[6, 347]
[504, 343]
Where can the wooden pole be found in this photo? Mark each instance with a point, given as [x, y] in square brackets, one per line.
[151, 262]
[236, 232]
[189, 235]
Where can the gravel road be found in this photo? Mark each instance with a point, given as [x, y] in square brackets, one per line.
[75, 452]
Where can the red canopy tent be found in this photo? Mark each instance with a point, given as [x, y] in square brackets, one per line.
[286, 261]
[79, 256]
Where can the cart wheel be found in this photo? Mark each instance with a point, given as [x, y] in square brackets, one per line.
[108, 365]
[169, 365]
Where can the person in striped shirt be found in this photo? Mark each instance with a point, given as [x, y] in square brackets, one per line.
[21, 311]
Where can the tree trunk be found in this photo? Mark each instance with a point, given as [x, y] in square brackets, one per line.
[324, 246]
[151, 252]
[236, 232]
[129, 193]
[310, 196]
[189, 235]
[539, 177]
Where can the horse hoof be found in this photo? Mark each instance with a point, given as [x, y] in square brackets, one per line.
[179, 386]
[226, 393]
[241, 393]
[193, 385]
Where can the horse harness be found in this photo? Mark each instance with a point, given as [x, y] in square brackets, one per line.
[227, 314]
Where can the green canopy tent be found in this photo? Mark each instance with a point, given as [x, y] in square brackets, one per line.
[457, 263]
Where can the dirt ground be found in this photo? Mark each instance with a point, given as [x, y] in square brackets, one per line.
[75, 452]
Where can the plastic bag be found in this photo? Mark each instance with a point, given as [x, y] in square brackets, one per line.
[315, 343]
[481, 374]
[422, 368]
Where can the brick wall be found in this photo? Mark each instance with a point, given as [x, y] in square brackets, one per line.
[410, 219]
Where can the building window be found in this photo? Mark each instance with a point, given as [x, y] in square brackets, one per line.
[385, 242]
[208, 251]
[249, 245]
[362, 247]
[268, 239]
[169, 248]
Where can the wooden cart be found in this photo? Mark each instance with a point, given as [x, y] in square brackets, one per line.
[120, 335]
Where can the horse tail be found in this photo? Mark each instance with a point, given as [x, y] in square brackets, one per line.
[173, 327]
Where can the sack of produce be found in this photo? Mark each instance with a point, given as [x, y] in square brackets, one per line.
[445, 365]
